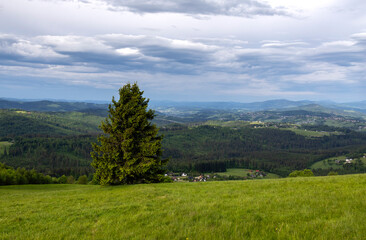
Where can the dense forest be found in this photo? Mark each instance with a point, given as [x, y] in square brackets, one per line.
[203, 149]
[59, 143]
[212, 148]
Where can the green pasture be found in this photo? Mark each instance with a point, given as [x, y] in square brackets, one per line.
[300, 208]
[308, 133]
[232, 124]
[241, 172]
[330, 163]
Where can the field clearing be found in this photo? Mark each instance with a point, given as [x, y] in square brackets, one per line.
[232, 124]
[4, 145]
[340, 124]
[324, 164]
[300, 208]
[241, 172]
[308, 133]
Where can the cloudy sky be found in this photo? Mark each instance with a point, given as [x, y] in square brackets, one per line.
[184, 50]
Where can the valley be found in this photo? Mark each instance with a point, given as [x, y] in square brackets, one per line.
[200, 138]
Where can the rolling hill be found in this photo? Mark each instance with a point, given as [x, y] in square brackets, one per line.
[49, 106]
[202, 140]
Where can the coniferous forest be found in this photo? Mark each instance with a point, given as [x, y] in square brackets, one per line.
[59, 143]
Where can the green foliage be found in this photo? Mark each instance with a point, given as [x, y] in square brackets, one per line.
[213, 148]
[4, 147]
[52, 155]
[70, 180]
[83, 179]
[57, 143]
[291, 208]
[130, 151]
[62, 179]
[332, 173]
[10, 176]
[303, 173]
[19, 123]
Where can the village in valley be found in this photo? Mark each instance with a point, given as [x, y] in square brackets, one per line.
[244, 174]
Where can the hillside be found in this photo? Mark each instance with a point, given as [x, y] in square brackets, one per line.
[350, 115]
[202, 138]
[16, 123]
[301, 208]
[49, 106]
[59, 143]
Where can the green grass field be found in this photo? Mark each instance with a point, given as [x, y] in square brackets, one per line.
[325, 164]
[4, 145]
[231, 124]
[300, 208]
[241, 172]
[308, 133]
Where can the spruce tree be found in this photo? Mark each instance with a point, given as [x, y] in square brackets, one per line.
[129, 151]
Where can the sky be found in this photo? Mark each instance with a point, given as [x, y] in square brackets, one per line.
[184, 50]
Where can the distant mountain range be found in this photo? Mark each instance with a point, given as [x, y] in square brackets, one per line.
[277, 104]
[174, 108]
[49, 106]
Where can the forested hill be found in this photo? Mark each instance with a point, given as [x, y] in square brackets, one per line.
[18, 123]
[50, 106]
[171, 107]
[60, 143]
[203, 140]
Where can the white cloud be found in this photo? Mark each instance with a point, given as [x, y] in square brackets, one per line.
[339, 44]
[279, 44]
[128, 51]
[84, 43]
[18, 47]
[243, 8]
[74, 43]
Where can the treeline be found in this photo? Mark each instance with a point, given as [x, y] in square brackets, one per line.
[20, 176]
[10, 176]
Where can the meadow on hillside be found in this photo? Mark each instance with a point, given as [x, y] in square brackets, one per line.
[300, 208]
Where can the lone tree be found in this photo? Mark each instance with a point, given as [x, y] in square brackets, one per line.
[129, 151]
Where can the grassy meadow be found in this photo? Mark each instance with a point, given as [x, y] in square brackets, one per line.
[297, 208]
[308, 133]
[330, 163]
[241, 172]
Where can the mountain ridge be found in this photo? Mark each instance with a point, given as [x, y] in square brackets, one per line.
[166, 106]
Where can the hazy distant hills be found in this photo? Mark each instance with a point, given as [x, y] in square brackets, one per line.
[254, 106]
[178, 109]
[331, 109]
[49, 106]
